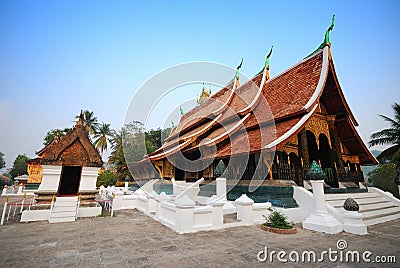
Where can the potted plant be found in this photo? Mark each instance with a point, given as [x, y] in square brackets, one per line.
[278, 223]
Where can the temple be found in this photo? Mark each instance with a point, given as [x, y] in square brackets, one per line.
[281, 123]
[67, 166]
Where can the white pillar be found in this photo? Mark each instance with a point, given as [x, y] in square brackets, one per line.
[184, 215]
[221, 188]
[126, 187]
[353, 223]
[217, 214]
[244, 207]
[162, 197]
[320, 220]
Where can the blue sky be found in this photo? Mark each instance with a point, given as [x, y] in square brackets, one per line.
[58, 57]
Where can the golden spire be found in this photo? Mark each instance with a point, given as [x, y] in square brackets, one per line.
[203, 96]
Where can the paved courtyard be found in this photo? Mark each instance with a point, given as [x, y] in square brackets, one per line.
[131, 239]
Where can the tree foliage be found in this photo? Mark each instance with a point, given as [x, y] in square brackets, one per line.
[383, 178]
[154, 138]
[2, 161]
[19, 167]
[106, 178]
[52, 133]
[131, 143]
[391, 136]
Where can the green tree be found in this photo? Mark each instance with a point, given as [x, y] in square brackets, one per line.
[103, 137]
[117, 158]
[389, 136]
[131, 143]
[19, 167]
[106, 178]
[52, 133]
[90, 121]
[2, 161]
[133, 137]
[154, 138]
[383, 178]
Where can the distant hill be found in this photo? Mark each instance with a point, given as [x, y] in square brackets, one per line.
[368, 169]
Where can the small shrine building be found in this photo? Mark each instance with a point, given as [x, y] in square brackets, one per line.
[67, 166]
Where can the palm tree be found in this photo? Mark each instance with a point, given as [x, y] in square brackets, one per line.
[90, 121]
[102, 137]
[389, 136]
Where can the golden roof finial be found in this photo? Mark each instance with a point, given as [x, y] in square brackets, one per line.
[203, 96]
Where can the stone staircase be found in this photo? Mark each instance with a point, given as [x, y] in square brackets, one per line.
[374, 207]
[64, 209]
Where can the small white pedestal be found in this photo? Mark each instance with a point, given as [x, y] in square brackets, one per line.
[320, 220]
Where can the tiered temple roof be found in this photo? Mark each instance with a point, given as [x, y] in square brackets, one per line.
[231, 116]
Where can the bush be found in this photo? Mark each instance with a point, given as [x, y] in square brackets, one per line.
[106, 178]
[383, 178]
[277, 220]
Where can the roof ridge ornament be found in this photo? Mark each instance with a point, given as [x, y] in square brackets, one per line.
[237, 74]
[80, 119]
[266, 63]
[326, 41]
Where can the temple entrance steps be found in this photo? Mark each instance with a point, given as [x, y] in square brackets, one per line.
[375, 207]
[64, 209]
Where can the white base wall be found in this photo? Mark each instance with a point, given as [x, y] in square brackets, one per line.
[89, 212]
[50, 178]
[88, 178]
[35, 215]
[44, 214]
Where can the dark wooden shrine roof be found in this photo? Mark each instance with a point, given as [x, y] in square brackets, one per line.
[286, 102]
[73, 149]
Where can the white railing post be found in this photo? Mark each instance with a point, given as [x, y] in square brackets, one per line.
[4, 211]
[51, 206]
[77, 207]
[22, 204]
[15, 208]
[112, 205]
[8, 215]
[31, 203]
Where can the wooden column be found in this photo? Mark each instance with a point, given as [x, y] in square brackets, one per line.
[335, 141]
[303, 148]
